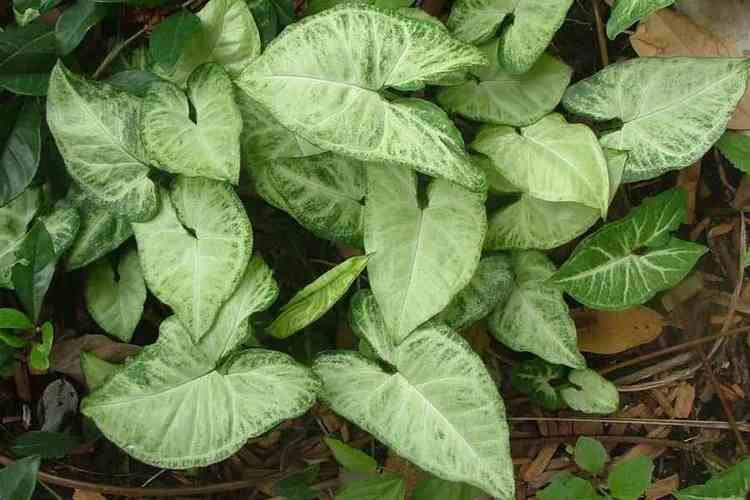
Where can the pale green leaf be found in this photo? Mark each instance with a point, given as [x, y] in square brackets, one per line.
[476, 21]
[534, 377]
[116, 304]
[629, 479]
[625, 263]
[550, 160]
[628, 12]
[421, 256]
[208, 146]
[534, 24]
[589, 392]
[733, 484]
[384, 487]
[96, 128]
[368, 324]
[496, 182]
[339, 107]
[434, 488]
[313, 301]
[535, 318]
[18, 480]
[39, 354]
[351, 459]
[228, 36]
[590, 455]
[14, 219]
[96, 370]
[195, 273]
[461, 433]
[324, 193]
[491, 284]
[62, 224]
[503, 98]
[673, 110]
[735, 146]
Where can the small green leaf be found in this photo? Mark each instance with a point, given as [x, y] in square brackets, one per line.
[44, 444]
[533, 379]
[171, 36]
[15, 217]
[629, 479]
[735, 146]
[75, 22]
[732, 484]
[297, 485]
[313, 301]
[566, 486]
[589, 392]
[18, 480]
[434, 488]
[384, 487]
[625, 263]
[20, 149]
[590, 455]
[39, 355]
[628, 12]
[14, 319]
[33, 273]
[96, 370]
[351, 459]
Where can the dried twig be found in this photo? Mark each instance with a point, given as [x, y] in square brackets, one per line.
[601, 37]
[668, 443]
[699, 424]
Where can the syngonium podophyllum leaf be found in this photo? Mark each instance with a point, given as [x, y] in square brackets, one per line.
[206, 146]
[476, 21]
[195, 251]
[18, 480]
[673, 110]
[550, 160]
[96, 128]
[271, 16]
[461, 434]
[33, 271]
[503, 98]
[589, 392]
[21, 141]
[628, 12]
[625, 263]
[338, 107]
[313, 301]
[536, 318]
[733, 484]
[14, 220]
[62, 225]
[96, 370]
[264, 138]
[735, 146]
[201, 402]
[352, 459]
[100, 230]
[533, 379]
[421, 255]
[170, 36]
[382, 487]
[228, 36]
[115, 300]
[491, 284]
[26, 56]
[325, 193]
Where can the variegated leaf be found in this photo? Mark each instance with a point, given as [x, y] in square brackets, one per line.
[14, 219]
[589, 392]
[628, 12]
[476, 21]
[62, 224]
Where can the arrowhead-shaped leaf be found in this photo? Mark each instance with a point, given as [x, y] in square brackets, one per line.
[207, 147]
[628, 12]
[673, 110]
[384, 487]
[589, 392]
[195, 273]
[627, 262]
[421, 256]
[14, 219]
[338, 107]
[33, 271]
[533, 378]
[27, 53]
[476, 21]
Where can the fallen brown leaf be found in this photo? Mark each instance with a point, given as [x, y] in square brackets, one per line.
[667, 33]
[66, 355]
[540, 463]
[612, 332]
[683, 404]
[663, 487]
[688, 179]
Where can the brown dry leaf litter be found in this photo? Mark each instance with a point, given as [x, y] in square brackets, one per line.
[612, 332]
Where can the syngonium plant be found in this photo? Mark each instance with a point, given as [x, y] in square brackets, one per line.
[330, 123]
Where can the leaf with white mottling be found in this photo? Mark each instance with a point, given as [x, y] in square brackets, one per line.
[62, 224]
[476, 21]
[491, 284]
[14, 219]
[96, 128]
[313, 301]
[461, 433]
[421, 256]
[339, 107]
[672, 109]
[628, 12]
[535, 318]
[325, 193]
[116, 304]
[503, 98]
[550, 160]
[627, 262]
[208, 146]
[589, 392]
[195, 273]
[534, 377]
[228, 36]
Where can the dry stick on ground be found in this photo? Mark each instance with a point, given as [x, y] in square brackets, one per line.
[603, 51]
[668, 443]
[669, 422]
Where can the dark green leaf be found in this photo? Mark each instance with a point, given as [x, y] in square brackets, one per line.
[39, 355]
[385, 487]
[297, 486]
[18, 480]
[12, 340]
[590, 455]
[14, 319]
[566, 486]
[533, 379]
[7, 360]
[735, 146]
[271, 16]
[33, 273]
[27, 55]
[630, 478]
[75, 22]
[351, 459]
[733, 484]
[434, 488]
[19, 158]
[44, 444]
[171, 35]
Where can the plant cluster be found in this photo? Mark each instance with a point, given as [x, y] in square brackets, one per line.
[345, 121]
